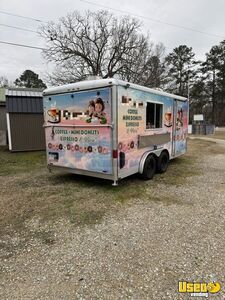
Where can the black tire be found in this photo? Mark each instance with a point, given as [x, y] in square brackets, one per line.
[149, 168]
[163, 161]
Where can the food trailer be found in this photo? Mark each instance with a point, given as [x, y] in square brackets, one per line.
[111, 129]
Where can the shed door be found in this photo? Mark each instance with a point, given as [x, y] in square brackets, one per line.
[27, 131]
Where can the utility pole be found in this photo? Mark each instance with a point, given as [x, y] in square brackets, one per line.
[213, 98]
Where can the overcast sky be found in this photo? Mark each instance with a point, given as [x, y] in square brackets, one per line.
[202, 15]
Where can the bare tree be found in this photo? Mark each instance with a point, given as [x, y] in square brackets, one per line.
[98, 43]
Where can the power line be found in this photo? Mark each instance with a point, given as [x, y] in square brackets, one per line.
[20, 28]
[92, 3]
[40, 48]
[155, 20]
[22, 45]
[20, 16]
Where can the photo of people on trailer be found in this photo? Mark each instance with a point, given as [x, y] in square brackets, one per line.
[96, 111]
[179, 122]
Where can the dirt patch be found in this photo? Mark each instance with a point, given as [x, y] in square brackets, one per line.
[219, 135]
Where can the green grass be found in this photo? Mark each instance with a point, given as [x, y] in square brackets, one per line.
[217, 135]
[204, 147]
[14, 163]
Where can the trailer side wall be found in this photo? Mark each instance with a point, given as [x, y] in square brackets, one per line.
[146, 122]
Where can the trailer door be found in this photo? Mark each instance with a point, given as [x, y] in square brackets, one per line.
[180, 127]
[81, 137]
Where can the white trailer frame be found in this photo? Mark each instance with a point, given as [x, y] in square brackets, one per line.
[116, 88]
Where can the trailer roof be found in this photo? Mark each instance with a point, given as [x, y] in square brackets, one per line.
[91, 84]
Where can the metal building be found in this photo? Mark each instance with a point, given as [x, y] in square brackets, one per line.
[3, 126]
[24, 115]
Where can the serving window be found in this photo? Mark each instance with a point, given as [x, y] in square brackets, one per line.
[154, 113]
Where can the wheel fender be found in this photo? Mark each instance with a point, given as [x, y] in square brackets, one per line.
[145, 155]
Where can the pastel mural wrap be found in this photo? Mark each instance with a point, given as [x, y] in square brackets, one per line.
[132, 122]
[181, 127]
[78, 131]
[79, 108]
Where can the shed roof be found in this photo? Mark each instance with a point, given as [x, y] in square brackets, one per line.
[23, 92]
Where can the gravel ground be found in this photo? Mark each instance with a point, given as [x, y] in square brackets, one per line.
[210, 139]
[138, 252]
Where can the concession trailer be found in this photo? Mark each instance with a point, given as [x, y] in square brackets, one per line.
[111, 129]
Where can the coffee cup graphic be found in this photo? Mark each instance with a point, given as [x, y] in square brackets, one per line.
[54, 115]
[168, 119]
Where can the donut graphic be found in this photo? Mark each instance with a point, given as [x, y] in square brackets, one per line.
[89, 149]
[57, 147]
[132, 145]
[72, 148]
[50, 145]
[68, 146]
[99, 149]
[124, 147]
[120, 146]
[76, 147]
[60, 146]
[105, 150]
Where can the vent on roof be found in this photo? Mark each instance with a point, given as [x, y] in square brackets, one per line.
[93, 77]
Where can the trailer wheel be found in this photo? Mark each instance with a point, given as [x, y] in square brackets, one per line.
[149, 168]
[163, 161]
